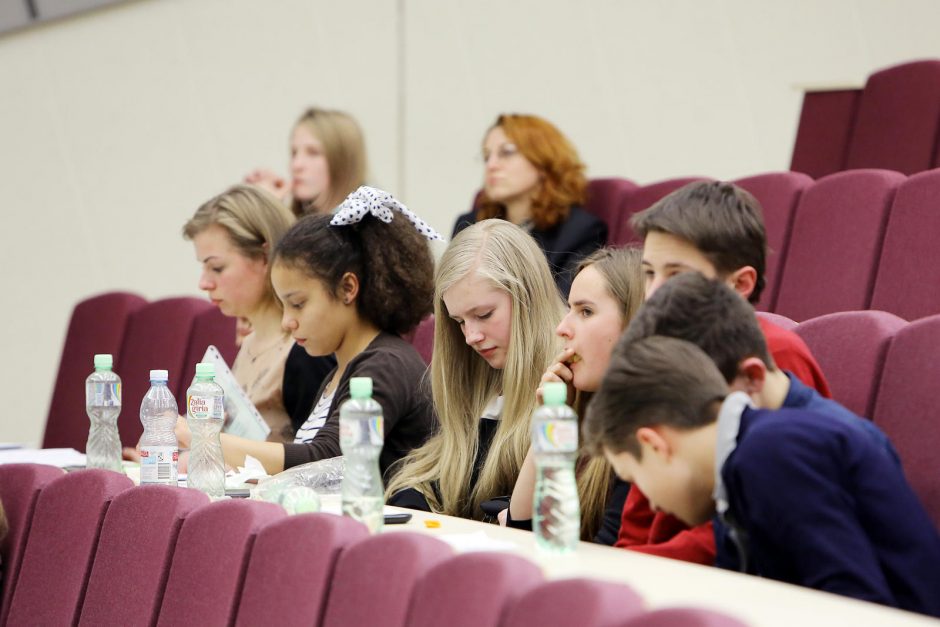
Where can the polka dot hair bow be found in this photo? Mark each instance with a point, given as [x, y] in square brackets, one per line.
[380, 204]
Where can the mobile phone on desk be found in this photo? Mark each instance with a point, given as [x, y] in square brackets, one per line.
[398, 518]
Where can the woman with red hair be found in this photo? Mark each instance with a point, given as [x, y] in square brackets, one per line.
[534, 178]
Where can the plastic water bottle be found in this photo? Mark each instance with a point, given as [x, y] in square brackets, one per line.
[103, 404]
[361, 437]
[556, 513]
[159, 450]
[205, 415]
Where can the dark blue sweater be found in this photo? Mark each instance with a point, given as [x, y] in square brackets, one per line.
[819, 500]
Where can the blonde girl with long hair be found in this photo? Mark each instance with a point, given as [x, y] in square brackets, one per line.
[495, 307]
[606, 292]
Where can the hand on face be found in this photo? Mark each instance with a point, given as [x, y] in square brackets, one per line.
[559, 371]
[270, 181]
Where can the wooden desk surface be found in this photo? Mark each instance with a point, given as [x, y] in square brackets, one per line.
[665, 582]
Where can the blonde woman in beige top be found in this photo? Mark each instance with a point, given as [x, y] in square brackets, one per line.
[234, 234]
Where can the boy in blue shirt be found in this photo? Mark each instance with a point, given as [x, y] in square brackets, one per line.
[815, 498]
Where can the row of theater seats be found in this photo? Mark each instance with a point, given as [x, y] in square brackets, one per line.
[892, 123]
[860, 239]
[89, 548]
[172, 333]
[885, 368]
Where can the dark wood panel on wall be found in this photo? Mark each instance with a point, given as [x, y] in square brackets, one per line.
[16, 14]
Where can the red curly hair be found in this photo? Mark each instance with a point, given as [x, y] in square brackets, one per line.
[562, 173]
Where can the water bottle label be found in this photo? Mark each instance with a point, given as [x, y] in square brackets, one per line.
[158, 464]
[205, 407]
[350, 432]
[557, 436]
[106, 393]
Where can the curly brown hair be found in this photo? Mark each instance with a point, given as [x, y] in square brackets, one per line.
[392, 262]
[549, 151]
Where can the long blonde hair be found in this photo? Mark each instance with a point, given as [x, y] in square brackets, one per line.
[463, 383]
[622, 271]
[345, 152]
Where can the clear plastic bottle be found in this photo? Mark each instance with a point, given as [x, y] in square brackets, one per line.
[361, 437]
[103, 404]
[556, 513]
[159, 450]
[205, 415]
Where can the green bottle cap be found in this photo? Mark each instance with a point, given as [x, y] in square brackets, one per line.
[205, 370]
[554, 393]
[103, 362]
[360, 387]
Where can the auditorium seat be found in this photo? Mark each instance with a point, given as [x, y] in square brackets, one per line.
[135, 547]
[909, 269]
[97, 326]
[210, 559]
[822, 137]
[471, 590]
[157, 338]
[835, 244]
[684, 616]
[778, 194]
[605, 198]
[898, 119]
[374, 579]
[209, 327]
[580, 601]
[293, 554]
[851, 347]
[776, 319]
[20, 485]
[61, 547]
[642, 198]
[422, 338]
[906, 406]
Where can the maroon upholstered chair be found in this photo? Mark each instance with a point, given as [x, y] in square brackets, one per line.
[906, 406]
[157, 337]
[422, 338]
[642, 198]
[898, 120]
[290, 555]
[851, 347]
[209, 327]
[582, 602]
[909, 270]
[605, 199]
[210, 559]
[20, 485]
[132, 562]
[61, 547]
[684, 616]
[836, 243]
[375, 578]
[781, 321]
[97, 326]
[822, 137]
[471, 590]
[778, 194]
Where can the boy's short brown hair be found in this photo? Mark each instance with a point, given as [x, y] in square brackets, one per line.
[722, 220]
[707, 313]
[654, 381]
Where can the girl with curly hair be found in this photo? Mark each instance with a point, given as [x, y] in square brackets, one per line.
[351, 284]
[534, 178]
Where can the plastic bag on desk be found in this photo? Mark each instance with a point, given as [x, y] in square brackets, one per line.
[325, 477]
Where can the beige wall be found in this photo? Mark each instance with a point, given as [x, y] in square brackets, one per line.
[115, 125]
